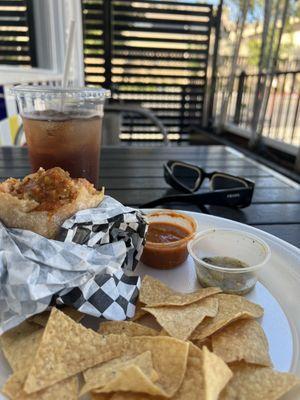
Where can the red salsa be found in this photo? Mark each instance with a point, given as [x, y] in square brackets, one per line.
[166, 242]
[164, 232]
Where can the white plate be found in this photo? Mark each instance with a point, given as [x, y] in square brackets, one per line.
[278, 292]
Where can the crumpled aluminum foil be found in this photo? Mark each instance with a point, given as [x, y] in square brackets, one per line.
[89, 267]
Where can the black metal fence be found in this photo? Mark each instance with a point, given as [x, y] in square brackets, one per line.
[282, 118]
[153, 53]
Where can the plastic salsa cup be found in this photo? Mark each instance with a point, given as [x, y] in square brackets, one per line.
[242, 246]
[164, 253]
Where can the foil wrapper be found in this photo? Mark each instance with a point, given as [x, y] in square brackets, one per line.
[90, 265]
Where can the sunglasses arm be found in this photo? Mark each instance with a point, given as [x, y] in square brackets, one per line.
[229, 197]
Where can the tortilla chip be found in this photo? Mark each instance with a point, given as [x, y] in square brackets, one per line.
[139, 312]
[42, 318]
[257, 383]
[180, 322]
[231, 308]
[192, 387]
[127, 327]
[20, 344]
[102, 375]
[65, 390]
[13, 335]
[169, 357]
[68, 348]
[155, 294]
[133, 379]
[216, 374]
[242, 340]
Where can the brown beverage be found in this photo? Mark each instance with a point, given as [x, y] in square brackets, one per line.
[67, 140]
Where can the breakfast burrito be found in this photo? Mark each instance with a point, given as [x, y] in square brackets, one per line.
[42, 201]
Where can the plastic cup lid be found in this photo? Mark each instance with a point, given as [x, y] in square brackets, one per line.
[42, 91]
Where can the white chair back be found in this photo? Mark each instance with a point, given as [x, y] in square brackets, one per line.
[9, 128]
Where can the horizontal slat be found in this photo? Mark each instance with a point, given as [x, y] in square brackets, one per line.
[167, 120]
[124, 9]
[136, 197]
[176, 51]
[148, 74]
[173, 3]
[177, 85]
[288, 232]
[157, 64]
[179, 102]
[13, 34]
[17, 3]
[158, 172]
[203, 41]
[260, 213]
[160, 183]
[200, 28]
[92, 25]
[141, 19]
[19, 22]
[14, 62]
[168, 106]
[97, 6]
[15, 14]
[98, 36]
[96, 13]
[14, 52]
[209, 163]
[155, 93]
[161, 56]
[14, 43]
[14, 153]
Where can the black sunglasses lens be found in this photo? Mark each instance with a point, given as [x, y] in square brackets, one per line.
[221, 182]
[187, 176]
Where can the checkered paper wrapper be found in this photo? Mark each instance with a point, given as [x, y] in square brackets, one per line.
[90, 265]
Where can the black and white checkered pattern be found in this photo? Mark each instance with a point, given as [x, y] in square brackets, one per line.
[112, 296]
[89, 267]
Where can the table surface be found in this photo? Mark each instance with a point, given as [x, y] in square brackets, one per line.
[134, 175]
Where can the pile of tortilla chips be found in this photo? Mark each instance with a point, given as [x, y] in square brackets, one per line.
[202, 345]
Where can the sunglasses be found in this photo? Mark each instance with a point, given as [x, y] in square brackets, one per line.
[226, 190]
[189, 178]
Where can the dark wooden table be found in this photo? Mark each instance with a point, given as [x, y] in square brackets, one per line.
[134, 175]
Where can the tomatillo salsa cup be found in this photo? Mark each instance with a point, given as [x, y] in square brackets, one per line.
[168, 235]
[251, 253]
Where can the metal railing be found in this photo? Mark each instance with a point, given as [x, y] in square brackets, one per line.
[281, 122]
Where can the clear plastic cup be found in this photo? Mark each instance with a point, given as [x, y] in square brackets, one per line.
[248, 249]
[63, 127]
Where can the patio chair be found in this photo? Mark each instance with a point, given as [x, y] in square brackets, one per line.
[112, 122]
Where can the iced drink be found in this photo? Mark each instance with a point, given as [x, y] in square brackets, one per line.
[63, 128]
[69, 141]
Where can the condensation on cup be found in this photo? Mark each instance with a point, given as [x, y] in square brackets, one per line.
[63, 127]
